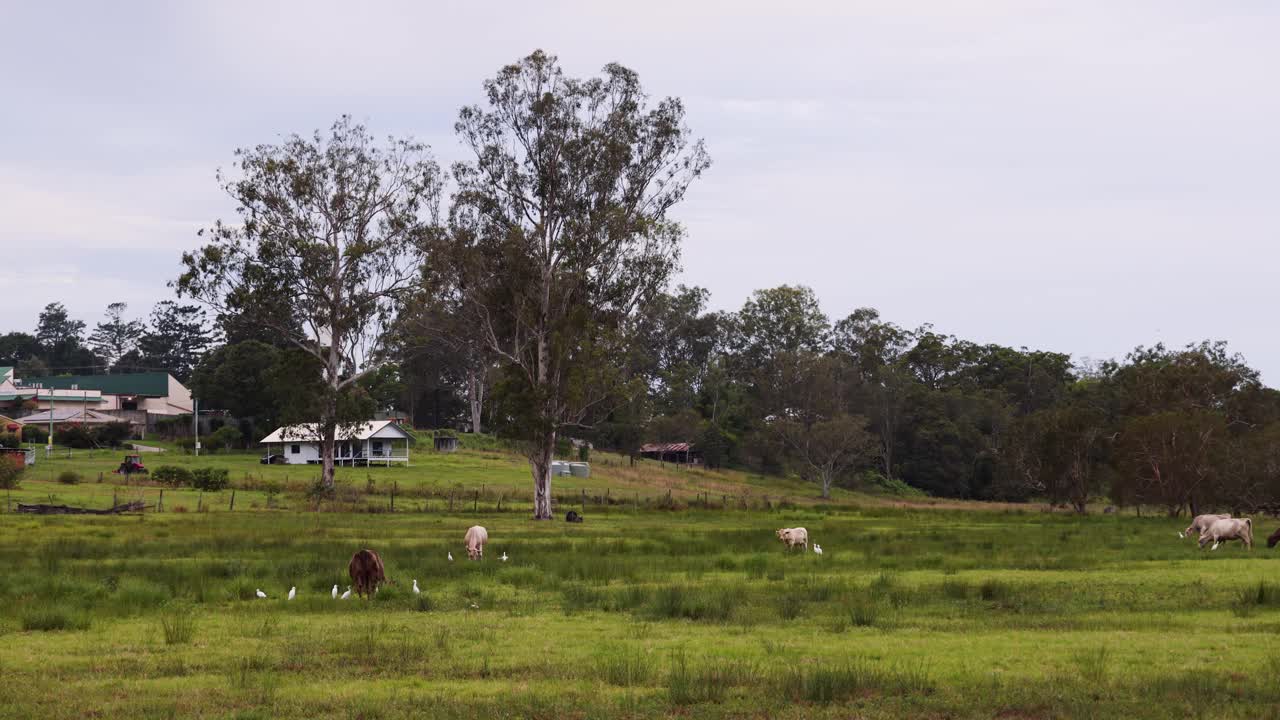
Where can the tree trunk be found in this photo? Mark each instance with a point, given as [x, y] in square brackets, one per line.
[475, 395]
[326, 455]
[540, 462]
[826, 485]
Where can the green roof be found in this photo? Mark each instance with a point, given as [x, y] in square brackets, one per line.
[152, 384]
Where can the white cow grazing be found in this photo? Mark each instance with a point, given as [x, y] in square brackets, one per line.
[1224, 529]
[793, 537]
[477, 536]
[1200, 522]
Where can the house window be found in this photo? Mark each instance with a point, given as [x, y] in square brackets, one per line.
[295, 449]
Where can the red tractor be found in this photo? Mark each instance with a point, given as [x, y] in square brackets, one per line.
[132, 465]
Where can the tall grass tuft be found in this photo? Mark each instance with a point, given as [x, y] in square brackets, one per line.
[689, 685]
[178, 623]
[790, 606]
[1092, 665]
[838, 683]
[625, 668]
[54, 617]
[862, 613]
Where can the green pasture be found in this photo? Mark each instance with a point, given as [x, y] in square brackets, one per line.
[695, 613]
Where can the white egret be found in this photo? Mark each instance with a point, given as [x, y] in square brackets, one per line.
[450, 556]
[346, 594]
[334, 594]
[260, 593]
[415, 586]
[504, 557]
[817, 548]
[293, 591]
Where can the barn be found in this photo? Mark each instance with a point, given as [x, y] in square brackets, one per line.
[376, 442]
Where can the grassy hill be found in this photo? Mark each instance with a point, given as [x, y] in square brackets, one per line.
[481, 475]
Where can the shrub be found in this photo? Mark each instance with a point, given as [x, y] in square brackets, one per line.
[186, 444]
[35, 434]
[210, 479]
[10, 474]
[69, 477]
[9, 440]
[113, 434]
[173, 476]
[584, 453]
[223, 438]
[75, 436]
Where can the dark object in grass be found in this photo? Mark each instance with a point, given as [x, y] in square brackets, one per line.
[37, 509]
[1275, 538]
[572, 516]
[366, 572]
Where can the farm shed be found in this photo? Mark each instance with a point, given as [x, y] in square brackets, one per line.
[680, 453]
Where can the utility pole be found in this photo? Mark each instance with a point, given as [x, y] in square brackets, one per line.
[195, 423]
[48, 448]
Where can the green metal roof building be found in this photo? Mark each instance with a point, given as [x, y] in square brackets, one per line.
[151, 384]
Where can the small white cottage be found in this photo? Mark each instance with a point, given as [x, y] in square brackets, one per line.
[378, 442]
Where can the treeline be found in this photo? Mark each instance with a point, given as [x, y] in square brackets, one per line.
[172, 339]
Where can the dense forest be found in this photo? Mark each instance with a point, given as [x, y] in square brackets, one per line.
[529, 292]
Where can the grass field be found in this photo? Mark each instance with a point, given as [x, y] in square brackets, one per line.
[636, 613]
[479, 477]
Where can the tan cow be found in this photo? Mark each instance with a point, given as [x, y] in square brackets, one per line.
[477, 536]
[793, 537]
[1224, 529]
[1200, 522]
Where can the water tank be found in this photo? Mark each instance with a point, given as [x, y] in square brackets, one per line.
[580, 469]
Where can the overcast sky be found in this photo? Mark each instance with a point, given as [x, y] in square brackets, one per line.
[1079, 176]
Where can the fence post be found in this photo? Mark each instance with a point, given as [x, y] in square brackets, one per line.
[160, 504]
[99, 476]
[233, 501]
[450, 501]
[475, 501]
[584, 501]
[394, 486]
[200, 502]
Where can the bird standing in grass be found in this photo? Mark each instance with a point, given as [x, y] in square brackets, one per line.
[293, 591]
[504, 557]
[334, 594]
[817, 548]
[260, 594]
[415, 586]
[346, 594]
[450, 556]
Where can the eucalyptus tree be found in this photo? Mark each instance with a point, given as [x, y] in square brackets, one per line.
[340, 221]
[562, 227]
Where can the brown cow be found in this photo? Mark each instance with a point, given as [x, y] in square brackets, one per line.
[366, 572]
